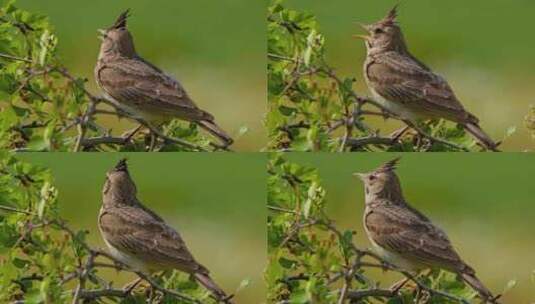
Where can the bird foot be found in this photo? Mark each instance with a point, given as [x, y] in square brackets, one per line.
[130, 286]
[227, 299]
[130, 134]
[398, 285]
[385, 114]
[396, 135]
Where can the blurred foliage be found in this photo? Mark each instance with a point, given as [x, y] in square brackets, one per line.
[310, 260]
[310, 108]
[45, 108]
[44, 261]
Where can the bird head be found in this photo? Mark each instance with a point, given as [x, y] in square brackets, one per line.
[384, 35]
[116, 39]
[119, 187]
[382, 182]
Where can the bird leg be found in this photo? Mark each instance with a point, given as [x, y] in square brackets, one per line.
[129, 134]
[398, 285]
[130, 286]
[152, 141]
[422, 133]
[396, 135]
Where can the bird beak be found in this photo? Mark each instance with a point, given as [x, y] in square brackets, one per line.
[101, 33]
[364, 27]
[364, 37]
[359, 175]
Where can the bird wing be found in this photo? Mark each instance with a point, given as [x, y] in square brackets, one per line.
[400, 78]
[403, 230]
[139, 233]
[137, 82]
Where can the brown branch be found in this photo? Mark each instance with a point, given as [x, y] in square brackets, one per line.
[86, 118]
[11, 57]
[278, 209]
[105, 292]
[170, 292]
[360, 142]
[434, 139]
[103, 140]
[81, 293]
[12, 209]
[348, 274]
[360, 100]
[357, 295]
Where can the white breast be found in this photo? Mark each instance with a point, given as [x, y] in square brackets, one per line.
[394, 107]
[392, 257]
[131, 111]
[127, 259]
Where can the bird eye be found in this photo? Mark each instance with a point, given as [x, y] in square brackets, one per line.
[378, 31]
[372, 177]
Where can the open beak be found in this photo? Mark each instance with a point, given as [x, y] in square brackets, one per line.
[359, 175]
[101, 33]
[364, 37]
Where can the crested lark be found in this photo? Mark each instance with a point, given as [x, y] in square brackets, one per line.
[141, 89]
[405, 237]
[407, 87]
[139, 238]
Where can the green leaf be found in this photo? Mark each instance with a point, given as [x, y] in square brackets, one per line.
[286, 263]
[45, 195]
[20, 263]
[287, 111]
[44, 42]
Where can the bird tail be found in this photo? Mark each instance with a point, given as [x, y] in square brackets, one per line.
[215, 130]
[481, 136]
[476, 284]
[205, 280]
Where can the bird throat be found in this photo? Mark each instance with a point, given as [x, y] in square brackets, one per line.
[391, 194]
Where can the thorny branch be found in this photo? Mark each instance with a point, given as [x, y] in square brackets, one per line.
[86, 120]
[86, 270]
[350, 273]
[353, 261]
[351, 118]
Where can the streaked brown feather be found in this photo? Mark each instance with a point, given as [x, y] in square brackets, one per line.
[409, 233]
[131, 82]
[401, 79]
[138, 232]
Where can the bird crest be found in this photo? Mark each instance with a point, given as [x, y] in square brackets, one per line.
[122, 165]
[389, 165]
[121, 20]
[390, 18]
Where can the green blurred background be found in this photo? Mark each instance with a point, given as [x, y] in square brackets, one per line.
[216, 49]
[484, 202]
[216, 201]
[484, 48]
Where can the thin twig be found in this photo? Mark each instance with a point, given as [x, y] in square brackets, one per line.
[435, 139]
[11, 57]
[358, 295]
[370, 140]
[12, 209]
